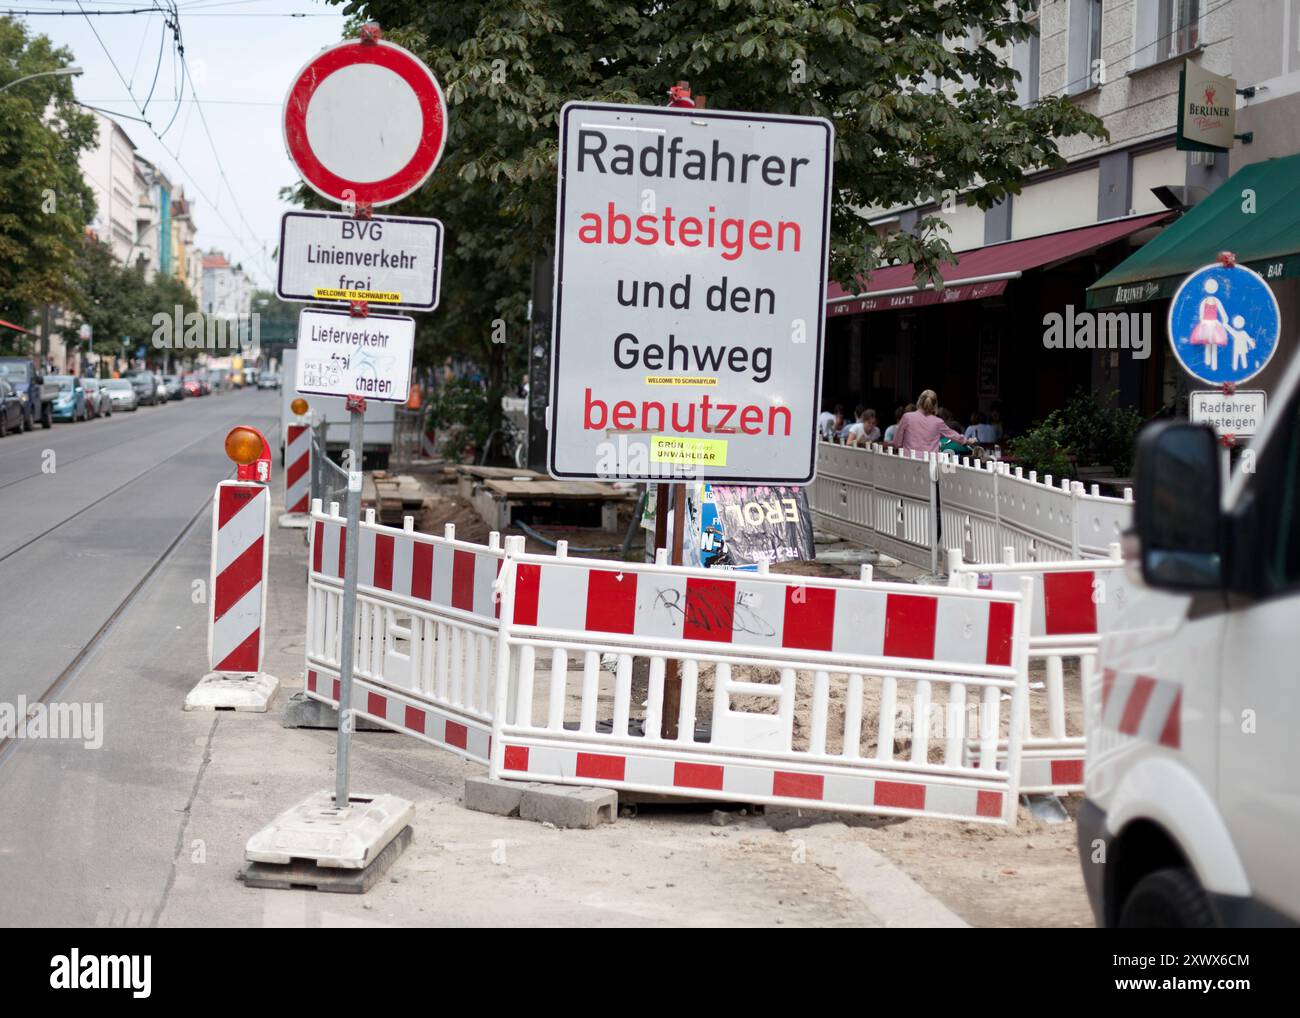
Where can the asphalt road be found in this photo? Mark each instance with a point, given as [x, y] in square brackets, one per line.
[88, 509]
[98, 561]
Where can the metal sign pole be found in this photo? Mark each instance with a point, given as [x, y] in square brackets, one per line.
[347, 652]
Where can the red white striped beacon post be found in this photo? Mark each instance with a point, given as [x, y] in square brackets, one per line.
[241, 520]
[297, 468]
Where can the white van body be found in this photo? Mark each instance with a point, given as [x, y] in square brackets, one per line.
[1193, 767]
[377, 435]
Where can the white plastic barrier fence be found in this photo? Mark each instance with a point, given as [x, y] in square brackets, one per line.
[426, 629]
[817, 693]
[880, 497]
[1074, 602]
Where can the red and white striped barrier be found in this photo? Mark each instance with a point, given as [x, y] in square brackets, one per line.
[241, 515]
[1074, 603]
[874, 670]
[297, 470]
[1142, 708]
[875, 698]
[426, 632]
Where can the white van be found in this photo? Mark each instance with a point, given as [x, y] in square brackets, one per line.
[377, 435]
[1192, 816]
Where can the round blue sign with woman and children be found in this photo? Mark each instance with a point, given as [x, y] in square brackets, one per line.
[1224, 323]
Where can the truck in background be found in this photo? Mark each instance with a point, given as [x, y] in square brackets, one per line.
[377, 435]
[37, 395]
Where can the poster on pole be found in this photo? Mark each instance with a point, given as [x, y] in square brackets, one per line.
[690, 294]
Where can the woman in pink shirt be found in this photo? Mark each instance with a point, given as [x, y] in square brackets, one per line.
[921, 429]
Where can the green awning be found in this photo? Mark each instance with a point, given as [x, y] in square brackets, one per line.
[1266, 239]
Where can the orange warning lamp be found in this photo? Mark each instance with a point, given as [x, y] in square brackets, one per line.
[298, 406]
[252, 456]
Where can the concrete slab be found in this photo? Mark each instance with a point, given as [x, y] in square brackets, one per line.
[303, 711]
[300, 875]
[574, 806]
[294, 521]
[319, 832]
[227, 691]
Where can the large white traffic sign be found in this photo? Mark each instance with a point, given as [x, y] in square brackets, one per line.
[329, 256]
[365, 122]
[339, 355]
[690, 294]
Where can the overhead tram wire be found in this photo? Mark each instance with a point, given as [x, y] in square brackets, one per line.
[176, 157]
[216, 155]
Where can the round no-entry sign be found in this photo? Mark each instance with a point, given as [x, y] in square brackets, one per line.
[365, 122]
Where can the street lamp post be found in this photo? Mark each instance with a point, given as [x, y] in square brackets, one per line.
[62, 71]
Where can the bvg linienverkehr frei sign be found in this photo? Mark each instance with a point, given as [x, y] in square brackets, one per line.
[690, 294]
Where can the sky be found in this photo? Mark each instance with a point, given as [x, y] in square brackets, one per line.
[242, 55]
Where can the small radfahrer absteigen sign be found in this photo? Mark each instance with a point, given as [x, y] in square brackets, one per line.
[690, 294]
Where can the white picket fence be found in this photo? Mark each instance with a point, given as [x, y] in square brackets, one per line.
[887, 499]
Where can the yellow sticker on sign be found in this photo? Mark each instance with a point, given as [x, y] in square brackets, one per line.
[374, 296]
[703, 452]
[679, 380]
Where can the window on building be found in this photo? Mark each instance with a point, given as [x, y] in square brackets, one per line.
[1083, 65]
[1166, 28]
[1094, 41]
[1024, 61]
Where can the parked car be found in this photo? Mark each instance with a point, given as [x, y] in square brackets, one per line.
[175, 390]
[160, 387]
[11, 409]
[268, 380]
[146, 388]
[122, 393]
[1193, 794]
[191, 385]
[98, 400]
[70, 403]
[35, 391]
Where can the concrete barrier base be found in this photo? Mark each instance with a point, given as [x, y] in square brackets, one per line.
[233, 691]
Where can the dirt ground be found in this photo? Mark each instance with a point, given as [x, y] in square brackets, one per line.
[989, 876]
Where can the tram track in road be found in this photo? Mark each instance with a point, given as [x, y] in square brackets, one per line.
[9, 743]
[69, 672]
[101, 499]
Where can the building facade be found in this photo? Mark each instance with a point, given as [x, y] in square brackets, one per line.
[982, 340]
[227, 289]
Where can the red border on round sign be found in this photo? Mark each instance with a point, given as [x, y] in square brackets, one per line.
[413, 71]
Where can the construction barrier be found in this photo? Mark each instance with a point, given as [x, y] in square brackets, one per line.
[297, 468]
[427, 620]
[1074, 602]
[918, 507]
[881, 497]
[798, 692]
[834, 694]
[241, 516]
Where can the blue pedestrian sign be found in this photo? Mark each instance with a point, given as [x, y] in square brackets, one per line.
[1224, 324]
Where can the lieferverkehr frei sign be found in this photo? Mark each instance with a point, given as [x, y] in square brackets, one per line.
[340, 355]
[690, 294]
[334, 257]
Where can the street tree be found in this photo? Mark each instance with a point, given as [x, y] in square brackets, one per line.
[45, 203]
[922, 115]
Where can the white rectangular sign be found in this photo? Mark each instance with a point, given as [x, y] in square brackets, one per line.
[389, 260]
[690, 294]
[339, 355]
[1241, 414]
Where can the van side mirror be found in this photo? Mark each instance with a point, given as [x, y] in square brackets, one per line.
[1179, 521]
